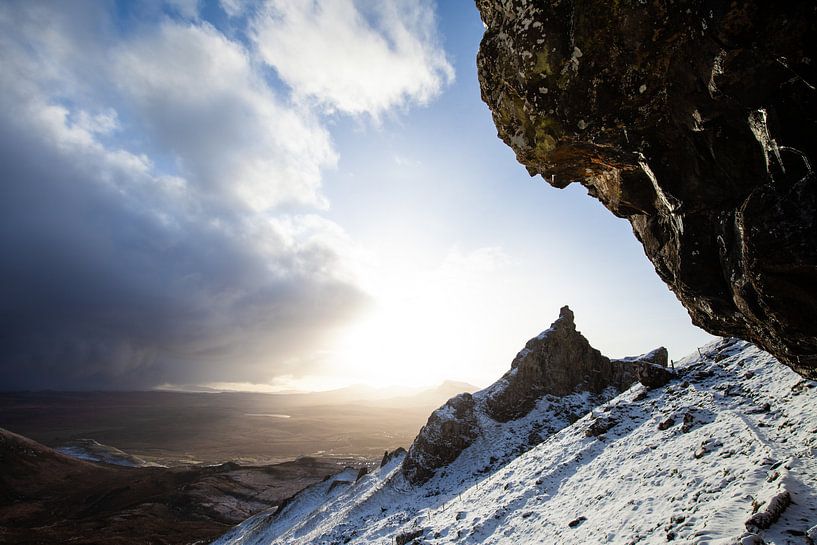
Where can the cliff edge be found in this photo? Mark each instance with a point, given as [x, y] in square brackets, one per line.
[696, 121]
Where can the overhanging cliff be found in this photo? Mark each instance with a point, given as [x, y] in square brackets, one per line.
[696, 121]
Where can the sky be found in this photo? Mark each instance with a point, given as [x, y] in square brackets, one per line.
[274, 195]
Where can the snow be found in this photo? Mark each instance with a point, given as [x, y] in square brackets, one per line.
[649, 356]
[93, 451]
[739, 434]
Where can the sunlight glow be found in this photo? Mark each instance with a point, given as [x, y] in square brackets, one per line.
[426, 326]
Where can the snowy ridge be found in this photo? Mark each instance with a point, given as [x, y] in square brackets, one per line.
[688, 463]
[499, 443]
[554, 380]
[94, 451]
[305, 504]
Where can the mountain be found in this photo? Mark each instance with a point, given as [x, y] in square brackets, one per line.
[94, 451]
[48, 497]
[427, 397]
[388, 396]
[180, 428]
[722, 452]
[558, 373]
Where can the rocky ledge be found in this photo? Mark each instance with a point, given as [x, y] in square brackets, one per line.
[557, 363]
[696, 121]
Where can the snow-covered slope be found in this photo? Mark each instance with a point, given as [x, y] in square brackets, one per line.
[734, 435]
[94, 451]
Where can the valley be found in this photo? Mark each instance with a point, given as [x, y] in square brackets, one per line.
[180, 428]
[180, 468]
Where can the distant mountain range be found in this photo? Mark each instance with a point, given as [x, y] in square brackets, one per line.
[390, 396]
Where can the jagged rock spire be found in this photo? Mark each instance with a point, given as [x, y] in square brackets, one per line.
[559, 361]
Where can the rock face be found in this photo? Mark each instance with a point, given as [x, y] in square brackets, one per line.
[696, 121]
[556, 363]
[389, 456]
[449, 430]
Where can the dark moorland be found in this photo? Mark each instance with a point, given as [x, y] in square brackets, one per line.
[227, 457]
[47, 497]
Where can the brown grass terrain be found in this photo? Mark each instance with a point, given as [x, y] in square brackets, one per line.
[273, 446]
[49, 498]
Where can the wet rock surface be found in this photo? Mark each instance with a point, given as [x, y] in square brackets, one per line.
[696, 121]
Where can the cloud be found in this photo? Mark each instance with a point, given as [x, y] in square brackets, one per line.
[138, 243]
[354, 57]
[198, 96]
[233, 8]
[185, 8]
[160, 211]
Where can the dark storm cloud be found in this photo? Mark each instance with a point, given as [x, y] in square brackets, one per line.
[94, 293]
[115, 275]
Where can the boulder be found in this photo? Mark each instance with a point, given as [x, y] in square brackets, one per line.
[654, 376]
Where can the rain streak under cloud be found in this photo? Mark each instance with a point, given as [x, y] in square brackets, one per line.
[161, 199]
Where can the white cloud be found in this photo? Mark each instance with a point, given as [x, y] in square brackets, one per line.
[198, 95]
[120, 273]
[355, 60]
[186, 8]
[161, 199]
[233, 8]
[100, 123]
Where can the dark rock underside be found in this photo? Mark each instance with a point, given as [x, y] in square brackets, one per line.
[695, 120]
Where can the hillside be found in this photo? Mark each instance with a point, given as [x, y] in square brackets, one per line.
[723, 454]
[47, 497]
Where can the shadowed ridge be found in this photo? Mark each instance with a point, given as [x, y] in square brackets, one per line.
[557, 362]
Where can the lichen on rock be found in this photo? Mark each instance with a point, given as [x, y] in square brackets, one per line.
[696, 121]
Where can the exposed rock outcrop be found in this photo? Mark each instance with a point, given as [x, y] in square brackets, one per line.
[556, 363]
[449, 430]
[777, 504]
[389, 456]
[696, 121]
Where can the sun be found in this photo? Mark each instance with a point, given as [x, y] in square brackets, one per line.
[404, 344]
[444, 320]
